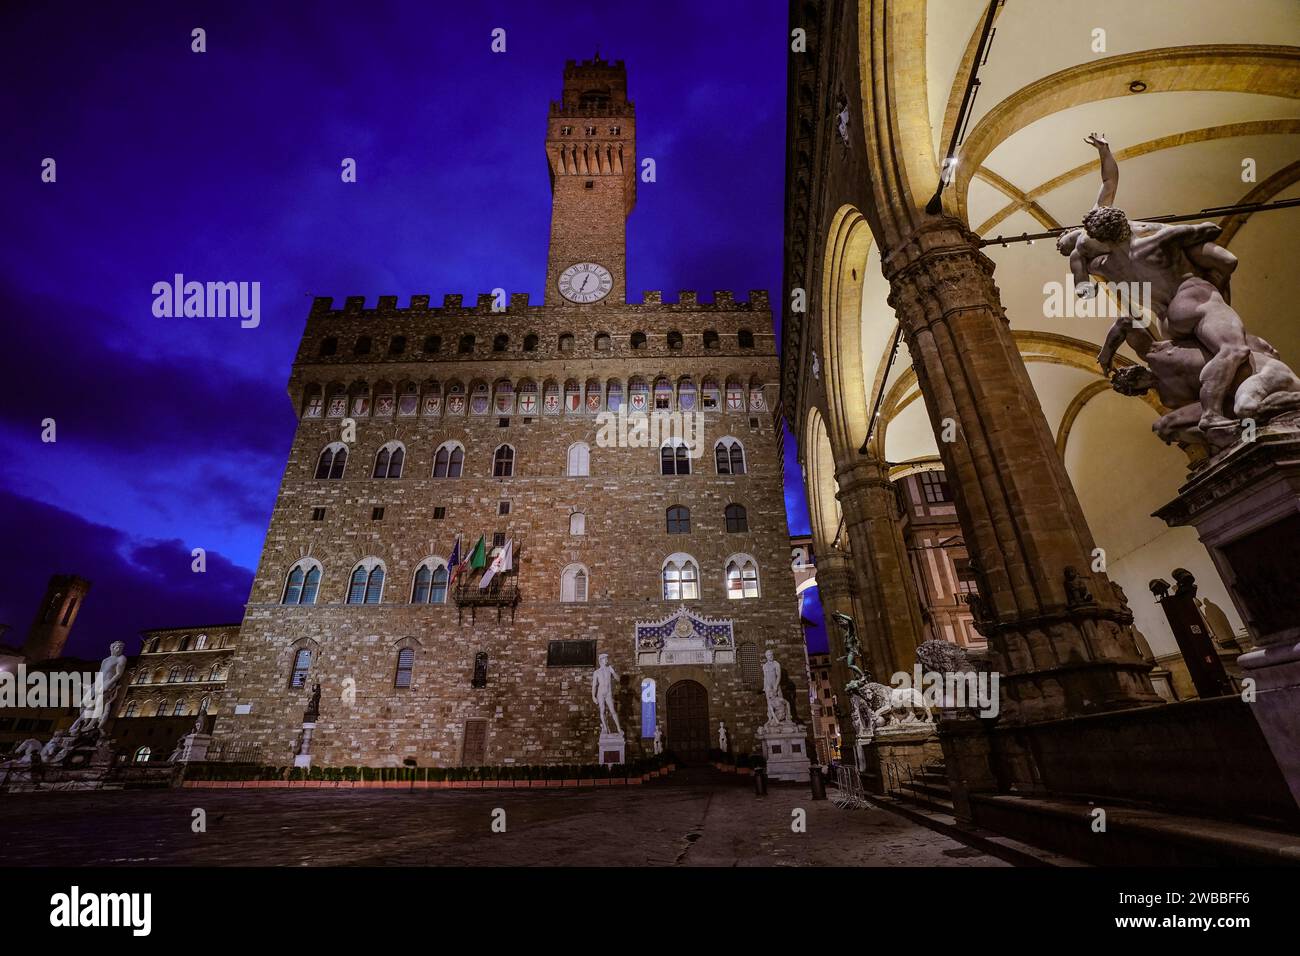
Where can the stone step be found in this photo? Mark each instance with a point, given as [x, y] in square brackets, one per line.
[1134, 835]
[940, 790]
[941, 820]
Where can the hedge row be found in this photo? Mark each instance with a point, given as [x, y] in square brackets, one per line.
[226, 771]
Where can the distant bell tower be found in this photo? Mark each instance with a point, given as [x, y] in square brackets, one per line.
[55, 617]
[591, 151]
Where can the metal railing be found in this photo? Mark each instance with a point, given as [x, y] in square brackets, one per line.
[849, 793]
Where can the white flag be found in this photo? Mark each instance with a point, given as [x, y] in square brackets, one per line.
[504, 561]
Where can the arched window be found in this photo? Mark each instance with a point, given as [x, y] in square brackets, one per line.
[189, 675]
[161, 709]
[183, 644]
[142, 755]
[332, 461]
[530, 343]
[711, 340]
[153, 646]
[729, 455]
[638, 340]
[742, 577]
[466, 346]
[449, 460]
[602, 342]
[203, 706]
[577, 523]
[179, 709]
[503, 462]
[366, 586]
[200, 642]
[674, 458]
[566, 342]
[329, 345]
[301, 664]
[573, 584]
[131, 708]
[216, 672]
[430, 583]
[579, 460]
[405, 665]
[174, 675]
[745, 338]
[432, 343]
[397, 345]
[361, 346]
[675, 340]
[681, 578]
[501, 343]
[679, 520]
[663, 394]
[303, 583]
[388, 463]
[737, 519]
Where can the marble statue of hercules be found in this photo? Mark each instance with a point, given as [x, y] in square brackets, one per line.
[1187, 276]
[602, 693]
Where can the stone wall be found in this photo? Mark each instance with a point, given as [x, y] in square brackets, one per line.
[534, 713]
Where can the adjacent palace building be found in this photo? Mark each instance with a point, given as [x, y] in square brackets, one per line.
[424, 429]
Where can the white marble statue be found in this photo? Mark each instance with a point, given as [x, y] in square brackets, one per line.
[722, 736]
[602, 694]
[1197, 350]
[22, 754]
[94, 710]
[659, 740]
[778, 709]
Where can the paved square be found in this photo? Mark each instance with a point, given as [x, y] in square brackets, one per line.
[691, 819]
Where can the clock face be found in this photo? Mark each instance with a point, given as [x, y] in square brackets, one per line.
[585, 282]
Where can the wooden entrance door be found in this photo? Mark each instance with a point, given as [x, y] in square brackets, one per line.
[475, 752]
[688, 721]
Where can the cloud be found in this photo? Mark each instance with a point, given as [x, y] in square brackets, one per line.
[134, 584]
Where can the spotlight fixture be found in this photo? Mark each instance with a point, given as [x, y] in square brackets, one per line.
[1137, 86]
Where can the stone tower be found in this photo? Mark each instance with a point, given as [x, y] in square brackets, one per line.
[420, 425]
[55, 617]
[591, 152]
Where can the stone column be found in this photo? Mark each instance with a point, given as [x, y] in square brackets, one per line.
[892, 626]
[1060, 650]
[835, 588]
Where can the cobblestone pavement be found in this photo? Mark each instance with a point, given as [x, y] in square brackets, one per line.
[696, 818]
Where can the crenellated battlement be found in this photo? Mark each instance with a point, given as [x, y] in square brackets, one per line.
[518, 303]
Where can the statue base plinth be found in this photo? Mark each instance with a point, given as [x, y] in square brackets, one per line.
[896, 756]
[612, 750]
[1245, 507]
[785, 750]
[194, 747]
[303, 757]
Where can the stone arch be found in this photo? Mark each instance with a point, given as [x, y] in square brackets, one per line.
[1231, 68]
[843, 274]
[823, 499]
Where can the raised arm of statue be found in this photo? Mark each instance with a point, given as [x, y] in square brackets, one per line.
[1109, 169]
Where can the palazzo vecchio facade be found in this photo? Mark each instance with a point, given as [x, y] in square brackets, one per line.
[420, 423]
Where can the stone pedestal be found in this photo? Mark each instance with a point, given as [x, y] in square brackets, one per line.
[613, 749]
[194, 747]
[894, 757]
[303, 757]
[785, 750]
[1245, 506]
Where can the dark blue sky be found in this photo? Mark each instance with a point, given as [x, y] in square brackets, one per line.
[172, 433]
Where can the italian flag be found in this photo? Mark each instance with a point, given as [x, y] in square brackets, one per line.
[478, 557]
